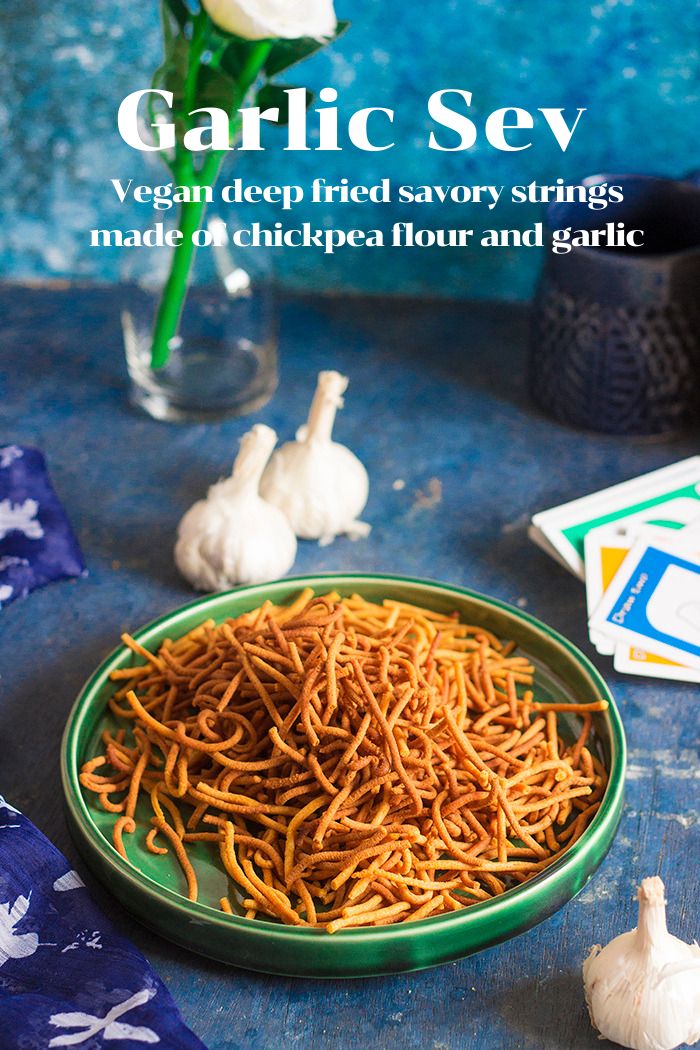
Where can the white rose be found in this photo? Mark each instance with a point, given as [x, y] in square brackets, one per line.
[270, 19]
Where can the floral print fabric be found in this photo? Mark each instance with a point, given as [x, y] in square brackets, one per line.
[67, 978]
[37, 544]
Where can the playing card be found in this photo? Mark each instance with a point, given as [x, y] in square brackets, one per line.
[605, 550]
[667, 496]
[629, 660]
[653, 603]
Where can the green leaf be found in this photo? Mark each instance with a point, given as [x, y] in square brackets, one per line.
[234, 57]
[274, 96]
[171, 74]
[215, 88]
[286, 53]
[179, 11]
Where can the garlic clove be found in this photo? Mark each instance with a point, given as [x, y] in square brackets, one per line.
[643, 988]
[320, 485]
[233, 536]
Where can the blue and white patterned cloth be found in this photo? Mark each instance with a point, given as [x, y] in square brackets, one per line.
[37, 544]
[67, 978]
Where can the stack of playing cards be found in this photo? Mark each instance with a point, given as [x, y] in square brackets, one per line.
[637, 546]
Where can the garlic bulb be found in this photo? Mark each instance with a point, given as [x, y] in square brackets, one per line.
[643, 989]
[320, 485]
[233, 536]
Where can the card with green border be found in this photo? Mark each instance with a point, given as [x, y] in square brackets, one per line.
[669, 496]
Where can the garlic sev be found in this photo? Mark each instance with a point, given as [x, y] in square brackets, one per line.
[354, 763]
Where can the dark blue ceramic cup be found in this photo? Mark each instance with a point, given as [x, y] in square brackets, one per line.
[616, 331]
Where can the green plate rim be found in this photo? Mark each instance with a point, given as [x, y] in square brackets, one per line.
[143, 884]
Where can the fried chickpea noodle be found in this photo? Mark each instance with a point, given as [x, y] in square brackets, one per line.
[355, 764]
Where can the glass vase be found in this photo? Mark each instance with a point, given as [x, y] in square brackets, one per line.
[222, 360]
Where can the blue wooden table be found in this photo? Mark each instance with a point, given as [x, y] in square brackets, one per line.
[437, 401]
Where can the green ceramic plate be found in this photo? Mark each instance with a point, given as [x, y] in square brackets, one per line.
[153, 887]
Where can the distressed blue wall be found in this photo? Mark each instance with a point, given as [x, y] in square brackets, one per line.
[633, 63]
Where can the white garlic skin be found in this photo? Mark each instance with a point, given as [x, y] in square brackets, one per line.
[233, 536]
[643, 989]
[320, 485]
[223, 542]
[322, 489]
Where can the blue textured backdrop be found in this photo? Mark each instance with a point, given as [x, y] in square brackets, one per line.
[66, 66]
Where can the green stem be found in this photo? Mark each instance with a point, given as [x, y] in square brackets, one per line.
[183, 166]
[171, 304]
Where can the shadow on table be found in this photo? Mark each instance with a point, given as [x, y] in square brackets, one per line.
[542, 1012]
[32, 719]
[548, 1015]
